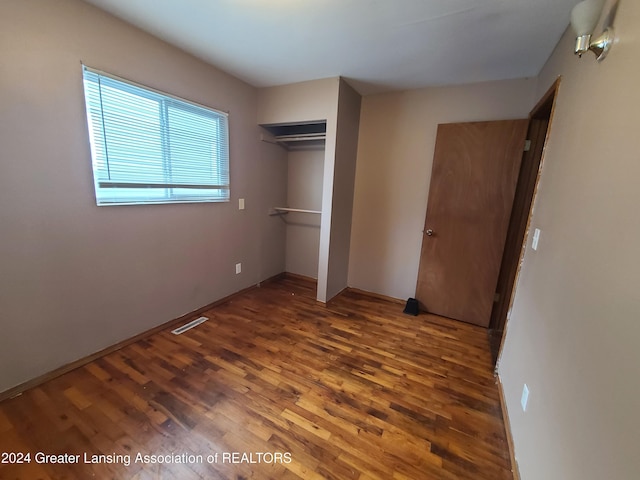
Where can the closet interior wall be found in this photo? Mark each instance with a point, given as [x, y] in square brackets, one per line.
[304, 191]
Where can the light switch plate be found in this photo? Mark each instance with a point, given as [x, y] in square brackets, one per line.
[536, 239]
[238, 268]
[241, 204]
[525, 397]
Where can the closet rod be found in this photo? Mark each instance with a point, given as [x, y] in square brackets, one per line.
[302, 137]
[295, 210]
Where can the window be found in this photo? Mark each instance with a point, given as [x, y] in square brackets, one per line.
[150, 147]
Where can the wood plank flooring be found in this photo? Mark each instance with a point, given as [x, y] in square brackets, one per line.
[355, 390]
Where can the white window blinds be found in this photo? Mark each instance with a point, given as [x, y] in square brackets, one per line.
[150, 147]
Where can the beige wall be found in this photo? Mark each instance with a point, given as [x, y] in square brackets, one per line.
[304, 190]
[395, 154]
[574, 333]
[270, 183]
[348, 121]
[298, 102]
[76, 278]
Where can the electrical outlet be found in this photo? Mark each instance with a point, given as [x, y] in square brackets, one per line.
[241, 204]
[238, 268]
[525, 397]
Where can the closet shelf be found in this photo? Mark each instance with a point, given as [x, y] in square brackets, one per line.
[291, 142]
[302, 137]
[296, 136]
[284, 210]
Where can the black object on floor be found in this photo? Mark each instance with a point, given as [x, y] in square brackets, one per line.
[411, 308]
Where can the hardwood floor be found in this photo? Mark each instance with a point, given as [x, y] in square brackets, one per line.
[355, 390]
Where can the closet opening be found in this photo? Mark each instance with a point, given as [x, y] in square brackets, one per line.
[305, 145]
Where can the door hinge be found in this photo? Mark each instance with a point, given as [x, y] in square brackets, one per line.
[527, 145]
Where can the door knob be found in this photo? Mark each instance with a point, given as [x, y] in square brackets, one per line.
[429, 232]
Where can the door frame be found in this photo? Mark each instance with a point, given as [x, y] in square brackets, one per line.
[518, 232]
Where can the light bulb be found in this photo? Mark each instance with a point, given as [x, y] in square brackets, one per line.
[585, 16]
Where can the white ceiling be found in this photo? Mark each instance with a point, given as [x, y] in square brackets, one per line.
[377, 45]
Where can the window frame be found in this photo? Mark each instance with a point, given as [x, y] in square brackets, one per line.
[152, 193]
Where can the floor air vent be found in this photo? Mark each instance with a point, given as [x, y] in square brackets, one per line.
[189, 326]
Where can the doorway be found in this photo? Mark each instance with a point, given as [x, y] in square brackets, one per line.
[539, 126]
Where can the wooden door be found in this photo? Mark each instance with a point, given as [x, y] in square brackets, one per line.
[473, 181]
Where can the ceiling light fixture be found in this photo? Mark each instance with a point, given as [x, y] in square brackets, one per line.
[584, 18]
